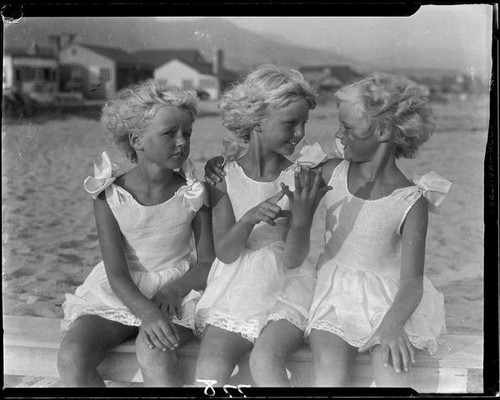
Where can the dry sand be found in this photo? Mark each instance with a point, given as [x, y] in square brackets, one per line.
[49, 237]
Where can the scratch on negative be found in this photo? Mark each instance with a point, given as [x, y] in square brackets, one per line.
[7, 21]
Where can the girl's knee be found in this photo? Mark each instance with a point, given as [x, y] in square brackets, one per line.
[264, 355]
[74, 357]
[154, 359]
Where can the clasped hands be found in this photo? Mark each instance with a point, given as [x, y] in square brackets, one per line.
[157, 329]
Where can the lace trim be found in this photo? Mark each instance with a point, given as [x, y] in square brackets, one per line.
[121, 317]
[422, 343]
[290, 317]
[323, 325]
[249, 331]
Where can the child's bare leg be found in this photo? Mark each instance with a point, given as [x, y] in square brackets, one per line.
[332, 359]
[161, 368]
[268, 358]
[219, 352]
[85, 346]
[387, 377]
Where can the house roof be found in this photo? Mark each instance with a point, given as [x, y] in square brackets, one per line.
[38, 52]
[118, 55]
[191, 57]
[160, 57]
[343, 73]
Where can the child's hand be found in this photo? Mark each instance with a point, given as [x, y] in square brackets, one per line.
[213, 170]
[169, 300]
[158, 331]
[395, 345]
[267, 211]
[309, 190]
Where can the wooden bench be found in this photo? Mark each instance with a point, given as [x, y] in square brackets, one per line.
[31, 345]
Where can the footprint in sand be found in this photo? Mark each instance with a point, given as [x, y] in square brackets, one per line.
[72, 244]
[71, 258]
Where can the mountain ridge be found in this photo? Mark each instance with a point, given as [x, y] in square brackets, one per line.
[243, 48]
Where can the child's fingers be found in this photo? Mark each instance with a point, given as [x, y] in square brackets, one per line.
[153, 337]
[298, 185]
[146, 339]
[411, 350]
[166, 336]
[404, 356]
[173, 328]
[219, 169]
[277, 197]
[305, 178]
[178, 310]
[385, 356]
[396, 359]
[269, 214]
[318, 179]
[284, 213]
[209, 180]
[287, 190]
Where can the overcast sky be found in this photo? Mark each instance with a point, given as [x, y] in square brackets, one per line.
[436, 36]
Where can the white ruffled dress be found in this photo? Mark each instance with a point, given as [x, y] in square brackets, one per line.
[358, 271]
[159, 248]
[245, 295]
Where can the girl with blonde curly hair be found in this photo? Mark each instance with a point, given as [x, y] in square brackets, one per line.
[154, 229]
[371, 292]
[260, 286]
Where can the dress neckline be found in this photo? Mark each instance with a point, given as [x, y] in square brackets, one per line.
[346, 182]
[264, 182]
[176, 193]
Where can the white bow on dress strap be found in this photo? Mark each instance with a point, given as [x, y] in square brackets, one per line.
[312, 155]
[434, 188]
[104, 175]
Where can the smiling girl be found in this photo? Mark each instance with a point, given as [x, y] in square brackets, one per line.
[260, 286]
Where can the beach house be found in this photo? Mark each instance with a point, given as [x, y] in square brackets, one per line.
[188, 69]
[98, 72]
[327, 79]
[33, 71]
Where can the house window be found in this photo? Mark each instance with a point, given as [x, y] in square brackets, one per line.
[17, 75]
[46, 74]
[187, 84]
[104, 74]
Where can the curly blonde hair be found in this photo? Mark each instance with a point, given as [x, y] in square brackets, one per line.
[134, 108]
[395, 103]
[265, 90]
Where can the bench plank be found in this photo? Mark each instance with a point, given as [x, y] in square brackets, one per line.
[31, 345]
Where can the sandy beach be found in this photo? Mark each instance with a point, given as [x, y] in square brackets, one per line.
[49, 237]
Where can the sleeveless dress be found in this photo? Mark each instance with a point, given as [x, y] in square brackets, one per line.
[245, 295]
[358, 271]
[158, 243]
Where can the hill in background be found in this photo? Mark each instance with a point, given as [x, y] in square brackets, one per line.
[243, 49]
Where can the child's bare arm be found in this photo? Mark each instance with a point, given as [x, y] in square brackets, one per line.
[391, 335]
[120, 280]
[309, 190]
[231, 236]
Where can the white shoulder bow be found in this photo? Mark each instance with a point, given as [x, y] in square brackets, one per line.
[104, 175]
[434, 188]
